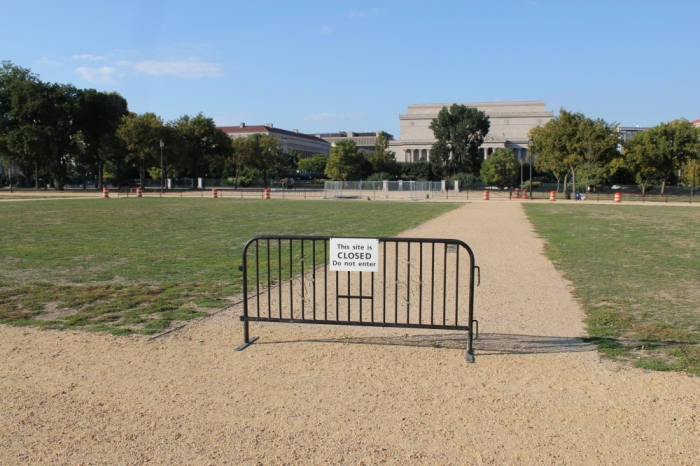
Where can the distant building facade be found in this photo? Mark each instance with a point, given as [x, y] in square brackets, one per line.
[364, 141]
[696, 122]
[626, 132]
[306, 144]
[510, 124]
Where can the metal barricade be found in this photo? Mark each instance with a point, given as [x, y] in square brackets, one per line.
[420, 283]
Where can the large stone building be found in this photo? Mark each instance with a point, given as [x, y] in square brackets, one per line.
[510, 123]
[306, 144]
[364, 141]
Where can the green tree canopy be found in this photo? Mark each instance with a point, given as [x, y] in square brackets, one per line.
[261, 152]
[383, 160]
[345, 162]
[459, 132]
[500, 168]
[141, 135]
[656, 153]
[571, 141]
[314, 164]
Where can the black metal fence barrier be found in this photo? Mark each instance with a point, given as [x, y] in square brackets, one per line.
[418, 283]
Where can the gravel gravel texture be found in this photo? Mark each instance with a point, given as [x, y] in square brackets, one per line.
[336, 395]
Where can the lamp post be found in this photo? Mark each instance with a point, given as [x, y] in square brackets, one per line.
[10, 173]
[162, 174]
[531, 144]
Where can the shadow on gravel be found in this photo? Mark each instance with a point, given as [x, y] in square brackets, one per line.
[487, 344]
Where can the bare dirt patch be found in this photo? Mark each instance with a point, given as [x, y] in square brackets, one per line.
[334, 395]
[51, 311]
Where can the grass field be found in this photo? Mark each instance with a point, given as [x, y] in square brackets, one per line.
[136, 265]
[636, 270]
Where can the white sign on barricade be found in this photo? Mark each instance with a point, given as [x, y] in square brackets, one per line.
[354, 255]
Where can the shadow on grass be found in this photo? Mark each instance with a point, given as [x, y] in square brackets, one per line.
[487, 344]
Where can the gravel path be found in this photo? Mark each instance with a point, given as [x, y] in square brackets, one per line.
[328, 395]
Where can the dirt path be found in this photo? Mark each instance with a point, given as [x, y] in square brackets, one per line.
[327, 395]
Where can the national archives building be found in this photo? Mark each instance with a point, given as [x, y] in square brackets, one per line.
[510, 123]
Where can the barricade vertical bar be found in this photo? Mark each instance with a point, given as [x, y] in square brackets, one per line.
[457, 287]
[444, 284]
[269, 288]
[257, 274]
[384, 283]
[247, 341]
[360, 295]
[408, 282]
[372, 307]
[325, 280]
[396, 282]
[349, 295]
[470, 336]
[432, 288]
[279, 275]
[302, 280]
[313, 273]
[337, 296]
[420, 284]
[291, 281]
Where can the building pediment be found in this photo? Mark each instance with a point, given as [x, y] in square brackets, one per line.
[495, 139]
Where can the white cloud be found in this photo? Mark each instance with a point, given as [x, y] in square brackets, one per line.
[181, 68]
[335, 116]
[325, 30]
[357, 14]
[48, 61]
[104, 74]
[87, 56]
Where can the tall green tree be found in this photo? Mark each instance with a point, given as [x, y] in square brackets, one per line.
[141, 135]
[383, 160]
[656, 153]
[459, 132]
[195, 144]
[500, 168]
[345, 162]
[23, 114]
[574, 141]
[99, 116]
[264, 154]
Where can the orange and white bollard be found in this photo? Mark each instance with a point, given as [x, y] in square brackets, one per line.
[267, 193]
[105, 192]
[486, 194]
[618, 196]
[552, 196]
[214, 193]
[517, 193]
[139, 192]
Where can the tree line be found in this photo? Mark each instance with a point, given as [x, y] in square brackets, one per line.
[52, 133]
[56, 132]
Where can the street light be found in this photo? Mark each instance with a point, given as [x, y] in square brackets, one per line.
[162, 174]
[531, 145]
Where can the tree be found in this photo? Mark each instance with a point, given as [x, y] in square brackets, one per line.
[314, 164]
[383, 160]
[459, 132]
[500, 168]
[99, 116]
[195, 143]
[141, 135]
[656, 153]
[264, 154]
[573, 141]
[345, 162]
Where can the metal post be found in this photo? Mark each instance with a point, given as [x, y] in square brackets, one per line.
[11, 174]
[162, 174]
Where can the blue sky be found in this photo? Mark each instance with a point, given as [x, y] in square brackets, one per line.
[327, 66]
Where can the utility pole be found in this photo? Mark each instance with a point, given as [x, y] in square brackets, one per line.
[11, 175]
